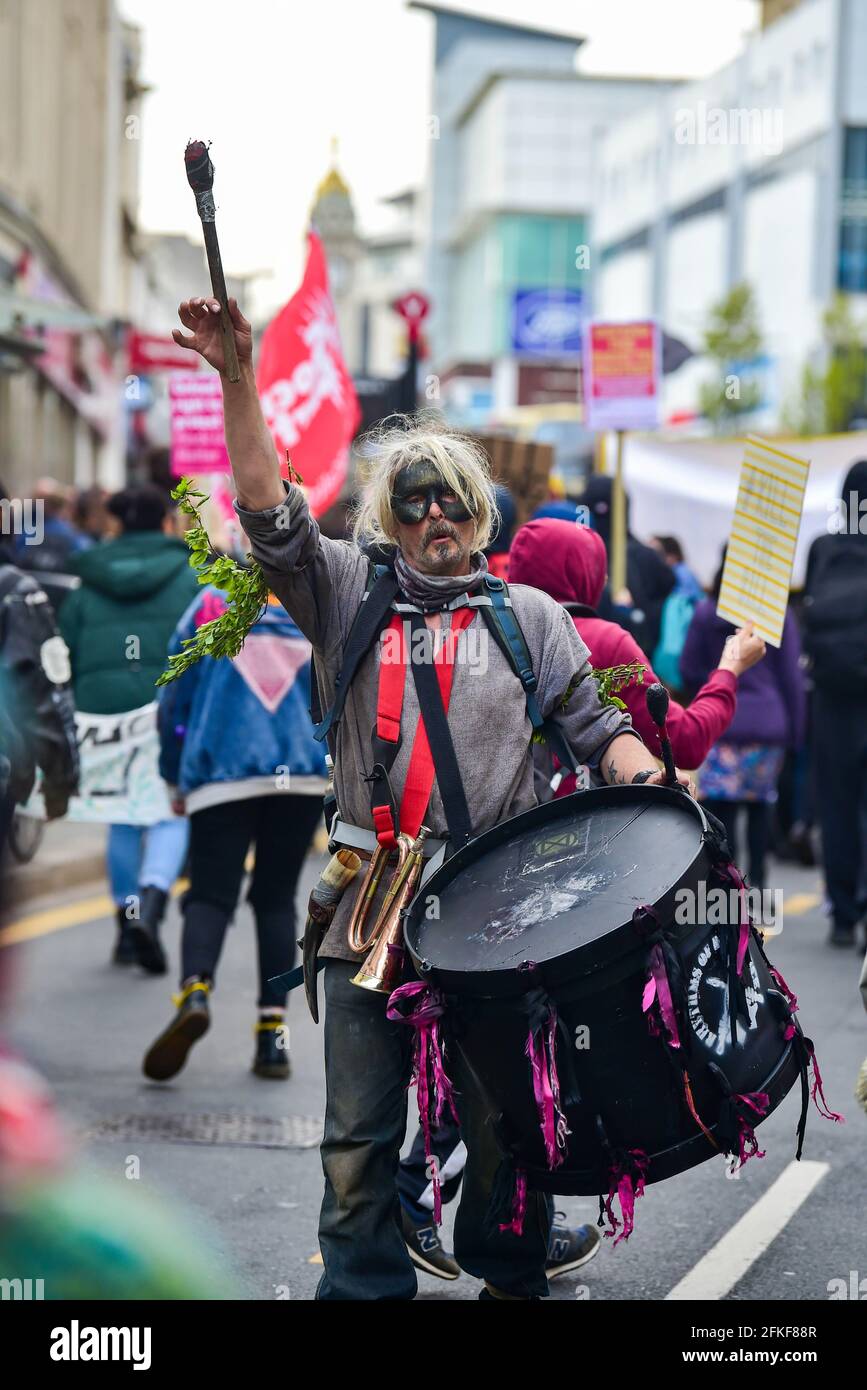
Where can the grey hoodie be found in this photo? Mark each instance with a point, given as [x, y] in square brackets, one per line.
[321, 584]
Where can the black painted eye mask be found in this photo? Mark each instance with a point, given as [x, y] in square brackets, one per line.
[416, 488]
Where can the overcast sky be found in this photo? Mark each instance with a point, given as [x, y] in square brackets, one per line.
[270, 82]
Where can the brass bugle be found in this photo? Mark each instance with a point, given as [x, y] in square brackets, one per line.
[382, 966]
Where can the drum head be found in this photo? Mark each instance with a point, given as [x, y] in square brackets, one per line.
[554, 879]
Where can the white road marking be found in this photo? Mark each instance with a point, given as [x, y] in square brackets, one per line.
[719, 1270]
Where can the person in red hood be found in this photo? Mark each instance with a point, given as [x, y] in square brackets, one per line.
[570, 563]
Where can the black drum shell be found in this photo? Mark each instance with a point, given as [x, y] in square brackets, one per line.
[625, 1076]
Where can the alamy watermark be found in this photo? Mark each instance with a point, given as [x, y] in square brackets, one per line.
[423, 647]
[23, 516]
[848, 518]
[717, 907]
[761, 126]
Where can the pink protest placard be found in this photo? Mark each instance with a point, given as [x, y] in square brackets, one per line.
[198, 442]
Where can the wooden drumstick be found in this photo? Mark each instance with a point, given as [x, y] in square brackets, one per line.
[200, 176]
[657, 708]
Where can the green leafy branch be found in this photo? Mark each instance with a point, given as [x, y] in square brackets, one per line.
[611, 679]
[245, 589]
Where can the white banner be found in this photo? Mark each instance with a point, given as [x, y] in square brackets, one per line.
[120, 781]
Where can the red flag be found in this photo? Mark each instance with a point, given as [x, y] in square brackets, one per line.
[306, 392]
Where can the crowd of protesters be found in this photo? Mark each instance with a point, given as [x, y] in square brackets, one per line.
[778, 736]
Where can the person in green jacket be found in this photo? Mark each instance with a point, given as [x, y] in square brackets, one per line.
[117, 626]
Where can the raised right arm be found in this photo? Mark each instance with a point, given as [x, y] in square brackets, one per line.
[251, 449]
[317, 580]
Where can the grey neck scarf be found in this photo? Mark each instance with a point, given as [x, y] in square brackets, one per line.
[432, 591]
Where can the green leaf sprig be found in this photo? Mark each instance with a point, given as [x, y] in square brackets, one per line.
[611, 679]
[245, 589]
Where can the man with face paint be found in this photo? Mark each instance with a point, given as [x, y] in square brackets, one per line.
[427, 504]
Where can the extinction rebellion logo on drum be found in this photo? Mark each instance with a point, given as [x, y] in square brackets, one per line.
[708, 998]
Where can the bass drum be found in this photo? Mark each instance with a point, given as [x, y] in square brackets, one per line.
[543, 907]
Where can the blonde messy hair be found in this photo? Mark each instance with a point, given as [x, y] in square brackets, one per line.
[404, 439]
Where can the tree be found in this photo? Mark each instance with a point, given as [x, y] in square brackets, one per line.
[833, 395]
[731, 340]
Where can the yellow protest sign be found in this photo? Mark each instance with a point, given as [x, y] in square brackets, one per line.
[761, 548]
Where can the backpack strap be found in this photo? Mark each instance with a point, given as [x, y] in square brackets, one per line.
[366, 627]
[506, 632]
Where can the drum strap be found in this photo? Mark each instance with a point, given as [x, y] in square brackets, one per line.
[434, 683]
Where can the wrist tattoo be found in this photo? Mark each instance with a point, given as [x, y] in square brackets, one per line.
[615, 777]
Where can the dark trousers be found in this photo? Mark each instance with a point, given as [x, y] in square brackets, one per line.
[414, 1179]
[367, 1065]
[758, 817]
[281, 827]
[840, 753]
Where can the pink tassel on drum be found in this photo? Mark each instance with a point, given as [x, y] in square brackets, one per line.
[748, 1144]
[627, 1181]
[817, 1090]
[434, 1090]
[519, 1205]
[541, 1049]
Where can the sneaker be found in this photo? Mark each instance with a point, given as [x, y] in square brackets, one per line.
[167, 1055]
[570, 1247]
[425, 1248]
[272, 1054]
[125, 952]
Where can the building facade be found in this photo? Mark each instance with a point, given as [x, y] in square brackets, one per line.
[757, 174]
[70, 127]
[508, 233]
[368, 273]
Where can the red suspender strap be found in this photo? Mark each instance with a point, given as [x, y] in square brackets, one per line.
[389, 704]
[392, 681]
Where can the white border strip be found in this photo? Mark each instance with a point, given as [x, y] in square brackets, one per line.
[727, 1262]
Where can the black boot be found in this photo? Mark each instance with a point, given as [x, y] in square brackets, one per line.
[125, 952]
[152, 909]
[272, 1050]
[165, 1057]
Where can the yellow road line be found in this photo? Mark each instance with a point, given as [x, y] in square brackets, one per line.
[56, 919]
[800, 902]
[70, 915]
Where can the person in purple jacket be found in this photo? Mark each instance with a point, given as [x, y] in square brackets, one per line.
[742, 769]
